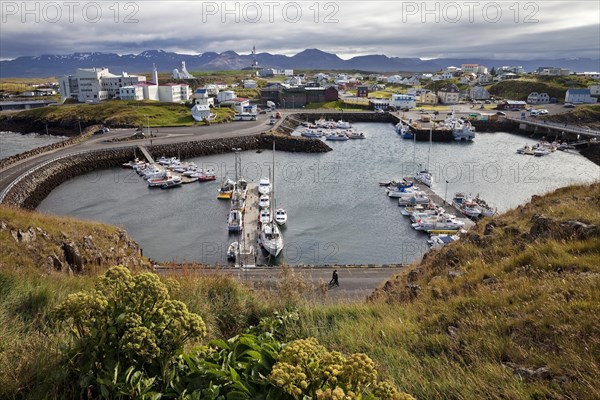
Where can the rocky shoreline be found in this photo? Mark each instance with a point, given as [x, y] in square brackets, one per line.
[29, 191]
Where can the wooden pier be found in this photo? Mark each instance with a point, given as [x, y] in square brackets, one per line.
[146, 154]
[251, 230]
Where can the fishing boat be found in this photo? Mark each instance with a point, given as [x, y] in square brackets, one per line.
[465, 205]
[235, 221]
[355, 135]
[133, 164]
[343, 124]
[226, 189]
[438, 223]
[309, 133]
[171, 182]
[416, 198]
[424, 177]
[232, 251]
[205, 176]
[437, 241]
[486, 209]
[157, 182]
[340, 137]
[281, 216]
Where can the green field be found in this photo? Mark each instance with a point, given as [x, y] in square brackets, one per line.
[122, 113]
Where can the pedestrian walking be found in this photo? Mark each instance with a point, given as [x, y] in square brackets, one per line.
[334, 279]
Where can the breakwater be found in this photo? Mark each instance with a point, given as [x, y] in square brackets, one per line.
[32, 187]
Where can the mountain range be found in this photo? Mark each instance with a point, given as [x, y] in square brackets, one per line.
[57, 65]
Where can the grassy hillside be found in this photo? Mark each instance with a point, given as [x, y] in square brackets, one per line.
[519, 89]
[509, 312]
[588, 115]
[118, 113]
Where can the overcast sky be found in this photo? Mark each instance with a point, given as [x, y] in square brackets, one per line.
[501, 30]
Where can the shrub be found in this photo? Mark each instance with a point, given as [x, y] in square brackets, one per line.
[127, 323]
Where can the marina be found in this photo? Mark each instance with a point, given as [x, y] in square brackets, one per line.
[340, 215]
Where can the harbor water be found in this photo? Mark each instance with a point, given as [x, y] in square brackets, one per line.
[337, 212]
[14, 143]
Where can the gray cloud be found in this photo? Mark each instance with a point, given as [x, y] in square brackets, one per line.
[394, 28]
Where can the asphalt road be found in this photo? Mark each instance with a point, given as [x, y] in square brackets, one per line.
[356, 283]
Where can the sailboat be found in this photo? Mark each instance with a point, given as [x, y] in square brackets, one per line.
[270, 237]
[424, 176]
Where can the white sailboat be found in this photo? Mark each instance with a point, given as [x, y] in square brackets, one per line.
[424, 176]
[270, 237]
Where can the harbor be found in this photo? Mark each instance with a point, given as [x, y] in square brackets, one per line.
[340, 214]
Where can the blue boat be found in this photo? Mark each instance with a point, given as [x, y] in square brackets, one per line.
[408, 135]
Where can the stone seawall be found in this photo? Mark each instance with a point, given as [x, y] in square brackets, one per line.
[31, 189]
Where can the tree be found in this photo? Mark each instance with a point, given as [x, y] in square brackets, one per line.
[493, 71]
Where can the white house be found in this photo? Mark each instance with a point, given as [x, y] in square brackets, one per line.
[225, 95]
[580, 96]
[594, 90]
[447, 75]
[402, 101]
[250, 84]
[412, 81]
[538, 98]
[593, 75]
[173, 93]
[553, 71]
[449, 94]
[394, 79]
[479, 93]
[201, 98]
[169, 93]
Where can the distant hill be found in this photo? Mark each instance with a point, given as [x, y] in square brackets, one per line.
[57, 65]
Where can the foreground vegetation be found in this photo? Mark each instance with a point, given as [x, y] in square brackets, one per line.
[510, 312]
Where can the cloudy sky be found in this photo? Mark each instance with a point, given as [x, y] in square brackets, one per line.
[432, 29]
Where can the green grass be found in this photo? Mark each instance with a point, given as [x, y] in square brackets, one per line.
[458, 338]
[519, 89]
[121, 113]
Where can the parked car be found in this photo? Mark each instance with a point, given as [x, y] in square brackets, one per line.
[543, 112]
[569, 105]
[500, 113]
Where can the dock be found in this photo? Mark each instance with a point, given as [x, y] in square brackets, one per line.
[250, 230]
[450, 209]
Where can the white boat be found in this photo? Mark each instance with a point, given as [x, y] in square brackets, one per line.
[281, 216]
[264, 217]
[235, 221]
[270, 237]
[438, 223]
[172, 182]
[463, 130]
[416, 198]
[264, 186]
[135, 164]
[486, 209]
[154, 172]
[352, 134]
[438, 241]
[232, 251]
[424, 177]
[205, 176]
[402, 193]
[264, 201]
[466, 205]
[471, 209]
[343, 124]
[244, 117]
[309, 133]
[157, 182]
[541, 151]
[337, 137]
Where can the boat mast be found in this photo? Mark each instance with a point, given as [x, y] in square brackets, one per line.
[273, 187]
[429, 152]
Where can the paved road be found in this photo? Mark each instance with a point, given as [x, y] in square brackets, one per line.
[163, 136]
[356, 283]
